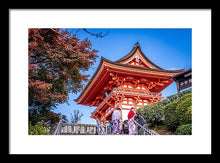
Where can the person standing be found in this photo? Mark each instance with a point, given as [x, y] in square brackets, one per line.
[110, 126]
[116, 119]
[131, 122]
[140, 120]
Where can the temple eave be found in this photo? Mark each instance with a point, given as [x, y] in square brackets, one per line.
[103, 75]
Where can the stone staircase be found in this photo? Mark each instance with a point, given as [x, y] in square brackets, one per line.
[89, 129]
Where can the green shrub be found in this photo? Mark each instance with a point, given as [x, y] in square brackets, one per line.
[184, 130]
[184, 97]
[171, 119]
[152, 113]
[173, 111]
[184, 110]
[188, 91]
[189, 114]
[37, 129]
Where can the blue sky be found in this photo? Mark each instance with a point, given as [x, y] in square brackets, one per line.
[168, 48]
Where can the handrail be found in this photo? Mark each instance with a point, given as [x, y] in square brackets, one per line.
[57, 131]
[145, 129]
[100, 126]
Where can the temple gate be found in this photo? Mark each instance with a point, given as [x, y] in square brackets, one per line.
[131, 81]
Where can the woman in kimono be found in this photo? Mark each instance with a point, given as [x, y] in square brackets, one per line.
[132, 130]
[116, 119]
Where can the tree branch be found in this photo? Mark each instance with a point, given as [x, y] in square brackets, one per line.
[97, 34]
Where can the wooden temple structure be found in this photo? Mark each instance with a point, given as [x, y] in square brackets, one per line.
[131, 81]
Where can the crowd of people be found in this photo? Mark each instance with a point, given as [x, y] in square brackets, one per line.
[117, 126]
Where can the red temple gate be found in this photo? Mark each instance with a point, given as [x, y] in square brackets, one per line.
[132, 81]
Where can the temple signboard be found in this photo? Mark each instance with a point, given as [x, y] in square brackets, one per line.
[183, 79]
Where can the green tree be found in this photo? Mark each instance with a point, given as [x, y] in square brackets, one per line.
[172, 98]
[184, 111]
[171, 119]
[37, 129]
[43, 114]
[64, 119]
[153, 114]
[179, 112]
[76, 116]
[184, 130]
[189, 114]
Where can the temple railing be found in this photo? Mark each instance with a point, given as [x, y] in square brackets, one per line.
[122, 91]
[137, 92]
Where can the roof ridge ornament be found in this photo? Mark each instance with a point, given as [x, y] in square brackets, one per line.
[136, 44]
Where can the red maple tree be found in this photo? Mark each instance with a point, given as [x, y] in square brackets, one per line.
[56, 59]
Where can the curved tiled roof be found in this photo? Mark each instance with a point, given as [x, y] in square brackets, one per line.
[119, 63]
[131, 53]
[141, 68]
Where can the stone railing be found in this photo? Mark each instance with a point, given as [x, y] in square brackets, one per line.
[90, 129]
[78, 129]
